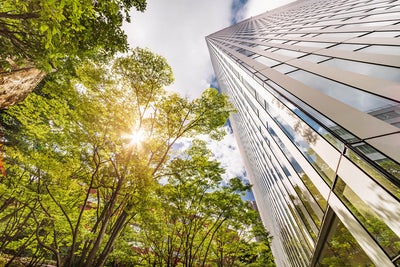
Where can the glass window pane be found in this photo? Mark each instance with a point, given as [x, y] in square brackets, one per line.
[283, 68]
[388, 240]
[378, 71]
[382, 49]
[348, 47]
[289, 53]
[316, 116]
[315, 58]
[266, 61]
[341, 249]
[374, 173]
[351, 96]
[313, 44]
[341, 34]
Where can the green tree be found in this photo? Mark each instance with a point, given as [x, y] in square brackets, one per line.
[52, 33]
[80, 173]
[195, 220]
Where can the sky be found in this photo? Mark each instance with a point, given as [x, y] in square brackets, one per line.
[176, 29]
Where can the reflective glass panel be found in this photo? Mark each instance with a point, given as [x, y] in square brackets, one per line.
[348, 47]
[374, 173]
[351, 96]
[266, 61]
[314, 58]
[284, 68]
[378, 71]
[388, 240]
[313, 44]
[382, 49]
[342, 250]
[289, 53]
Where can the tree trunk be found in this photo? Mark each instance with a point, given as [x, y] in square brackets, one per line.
[119, 225]
[18, 83]
[91, 257]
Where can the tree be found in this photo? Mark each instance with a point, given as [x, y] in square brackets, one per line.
[54, 33]
[80, 173]
[194, 219]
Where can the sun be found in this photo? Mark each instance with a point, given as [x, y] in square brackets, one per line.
[135, 138]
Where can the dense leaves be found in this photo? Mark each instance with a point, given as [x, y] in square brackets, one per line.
[77, 179]
[54, 33]
[196, 221]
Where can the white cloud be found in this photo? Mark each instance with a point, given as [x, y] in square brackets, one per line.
[176, 29]
[225, 151]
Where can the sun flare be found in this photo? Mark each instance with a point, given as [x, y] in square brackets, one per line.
[136, 137]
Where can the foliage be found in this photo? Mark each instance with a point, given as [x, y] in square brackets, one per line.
[75, 181]
[195, 221]
[54, 33]
[343, 250]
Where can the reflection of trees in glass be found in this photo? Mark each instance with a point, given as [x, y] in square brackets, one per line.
[299, 224]
[297, 124]
[375, 174]
[332, 139]
[303, 216]
[308, 207]
[342, 249]
[376, 227]
[320, 166]
[370, 152]
[306, 132]
[391, 167]
[294, 249]
[299, 130]
[314, 191]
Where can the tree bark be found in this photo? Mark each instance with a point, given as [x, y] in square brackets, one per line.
[119, 225]
[17, 84]
[91, 257]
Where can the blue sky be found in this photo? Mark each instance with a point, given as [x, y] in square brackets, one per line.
[237, 8]
[176, 29]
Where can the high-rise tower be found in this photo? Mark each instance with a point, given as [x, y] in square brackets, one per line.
[317, 88]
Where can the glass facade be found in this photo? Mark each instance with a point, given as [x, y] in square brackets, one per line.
[317, 87]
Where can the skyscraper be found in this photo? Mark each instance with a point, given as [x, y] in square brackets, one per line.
[317, 87]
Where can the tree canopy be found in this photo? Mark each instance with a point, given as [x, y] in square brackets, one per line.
[195, 220]
[55, 33]
[85, 155]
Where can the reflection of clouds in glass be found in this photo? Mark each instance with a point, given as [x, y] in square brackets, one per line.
[379, 71]
[358, 99]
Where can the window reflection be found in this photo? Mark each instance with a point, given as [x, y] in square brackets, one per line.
[351, 96]
[289, 53]
[313, 44]
[315, 217]
[266, 61]
[388, 240]
[378, 71]
[382, 49]
[316, 116]
[315, 58]
[348, 47]
[284, 68]
[341, 249]
[306, 180]
[389, 165]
